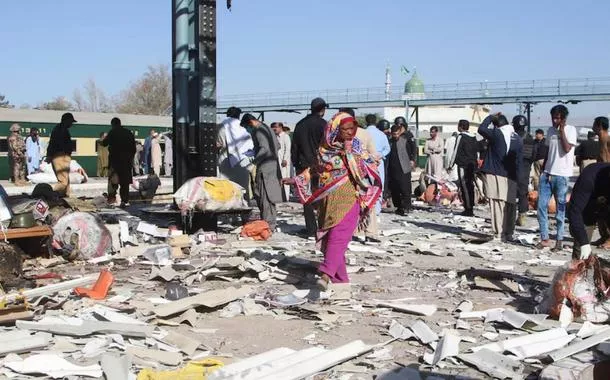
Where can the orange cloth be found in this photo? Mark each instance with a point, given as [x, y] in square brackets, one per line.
[257, 230]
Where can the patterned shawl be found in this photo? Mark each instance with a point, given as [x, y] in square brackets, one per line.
[336, 166]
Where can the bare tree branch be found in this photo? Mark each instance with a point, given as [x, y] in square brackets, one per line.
[149, 95]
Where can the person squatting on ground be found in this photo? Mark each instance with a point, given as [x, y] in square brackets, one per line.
[588, 206]
[349, 186]
[267, 187]
[306, 139]
[501, 166]
[465, 156]
[121, 149]
[59, 153]
[558, 168]
[17, 155]
[529, 156]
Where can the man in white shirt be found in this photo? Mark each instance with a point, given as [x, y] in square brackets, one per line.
[558, 168]
[283, 155]
[382, 145]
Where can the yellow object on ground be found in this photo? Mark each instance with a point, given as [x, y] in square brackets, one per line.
[198, 370]
[220, 190]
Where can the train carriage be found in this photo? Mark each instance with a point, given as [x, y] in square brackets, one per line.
[84, 133]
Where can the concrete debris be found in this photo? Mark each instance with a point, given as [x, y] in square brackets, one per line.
[52, 365]
[179, 300]
[494, 364]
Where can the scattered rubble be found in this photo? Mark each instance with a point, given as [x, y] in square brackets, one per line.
[434, 295]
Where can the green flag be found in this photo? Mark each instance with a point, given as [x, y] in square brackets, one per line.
[404, 70]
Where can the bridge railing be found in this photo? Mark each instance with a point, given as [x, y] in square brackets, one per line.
[545, 87]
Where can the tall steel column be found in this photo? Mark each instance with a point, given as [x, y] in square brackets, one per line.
[194, 94]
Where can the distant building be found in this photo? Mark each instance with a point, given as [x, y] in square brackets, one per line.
[443, 117]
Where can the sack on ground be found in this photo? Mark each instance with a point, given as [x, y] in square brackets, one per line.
[257, 230]
[80, 234]
[210, 194]
[583, 284]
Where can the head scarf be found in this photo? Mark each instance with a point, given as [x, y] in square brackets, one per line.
[337, 165]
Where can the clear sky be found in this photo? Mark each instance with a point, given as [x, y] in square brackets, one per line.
[51, 47]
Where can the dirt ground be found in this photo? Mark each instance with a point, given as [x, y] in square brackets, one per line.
[396, 267]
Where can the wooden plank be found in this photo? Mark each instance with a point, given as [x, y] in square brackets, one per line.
[20, 233]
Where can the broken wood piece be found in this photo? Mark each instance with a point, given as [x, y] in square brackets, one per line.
[494, 364]
[180, 241]
[21, 233]
[12, 317]
[210, 299]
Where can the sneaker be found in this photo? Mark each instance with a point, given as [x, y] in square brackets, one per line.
[124, 205]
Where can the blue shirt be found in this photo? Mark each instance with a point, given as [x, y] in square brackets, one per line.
[382, 145]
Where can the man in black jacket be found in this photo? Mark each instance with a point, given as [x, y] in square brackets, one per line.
[529, 156]
[304, 152]
[541, 151]
[588, 206]
[587, 152]
[122, 147]
[59, 153]
[465, 158]
[401, 161]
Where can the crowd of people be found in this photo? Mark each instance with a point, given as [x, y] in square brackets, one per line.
[344, 173]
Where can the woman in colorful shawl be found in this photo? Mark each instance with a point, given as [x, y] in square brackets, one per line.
[349, 186]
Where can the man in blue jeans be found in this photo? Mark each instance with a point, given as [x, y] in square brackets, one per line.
[558, 168]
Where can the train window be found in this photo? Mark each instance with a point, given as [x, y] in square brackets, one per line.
[3, 145]
[73, 145]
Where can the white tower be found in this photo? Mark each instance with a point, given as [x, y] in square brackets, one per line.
[388, 82]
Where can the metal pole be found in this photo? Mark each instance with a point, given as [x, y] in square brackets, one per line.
[180, 79]
[416, 122]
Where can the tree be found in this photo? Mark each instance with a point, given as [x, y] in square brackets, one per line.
[58, 103]
[25, 106]
[4, 103]
[93, 100]
[149, 95]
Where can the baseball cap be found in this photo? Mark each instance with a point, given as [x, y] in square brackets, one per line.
[318, 104]
[68, 117]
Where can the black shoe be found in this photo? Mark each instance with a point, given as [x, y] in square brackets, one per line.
[399, 211]
[467, 213]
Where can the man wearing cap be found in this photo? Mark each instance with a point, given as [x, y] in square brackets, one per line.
[267, 188]
[304, 152]
[16, 152]
[59, 153]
